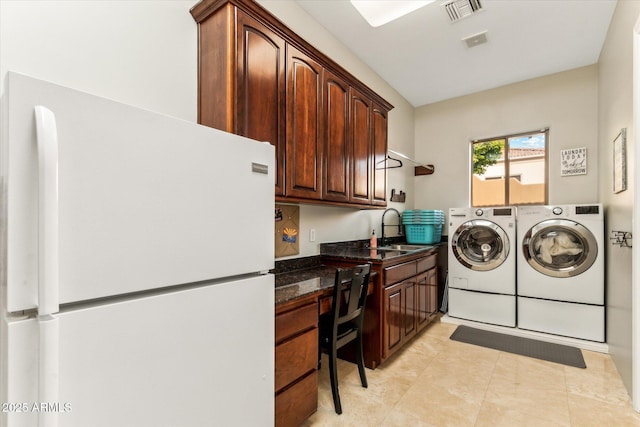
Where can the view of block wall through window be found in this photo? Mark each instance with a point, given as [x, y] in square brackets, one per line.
[525, 164]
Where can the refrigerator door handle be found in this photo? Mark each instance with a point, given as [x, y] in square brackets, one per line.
[48, 370]
[47, 141]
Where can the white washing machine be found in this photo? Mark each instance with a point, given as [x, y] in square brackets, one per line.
[561, 270]
[482, 266]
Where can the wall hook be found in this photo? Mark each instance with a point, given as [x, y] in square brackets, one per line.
[398, 197]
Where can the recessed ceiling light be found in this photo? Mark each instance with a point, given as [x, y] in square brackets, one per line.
[380, 12]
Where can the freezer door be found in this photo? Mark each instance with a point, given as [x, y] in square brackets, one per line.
[144, 200]
[197, 357]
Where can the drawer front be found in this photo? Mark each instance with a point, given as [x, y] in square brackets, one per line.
[295, 358]
[297, 403]
[427, 263]
[295, 321]
[398, 273]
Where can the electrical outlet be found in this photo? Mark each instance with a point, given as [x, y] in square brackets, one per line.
[312, 235]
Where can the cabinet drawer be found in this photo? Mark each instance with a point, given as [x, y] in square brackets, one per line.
[427, 263]
[295, 321]
[397, 273]
[297, 403]
[295, 358]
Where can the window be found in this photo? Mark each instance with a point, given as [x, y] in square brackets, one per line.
[525, 164]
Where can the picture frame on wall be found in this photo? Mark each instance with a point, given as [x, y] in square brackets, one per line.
[620, 162]
[573, 161]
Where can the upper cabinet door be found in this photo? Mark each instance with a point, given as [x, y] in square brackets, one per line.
[304, 126]
[361, 153]
[336, 139]
[216, 81]
[379, 146]
[260, 99]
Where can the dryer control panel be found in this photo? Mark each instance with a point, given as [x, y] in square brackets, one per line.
[503, 212]
[587, 210]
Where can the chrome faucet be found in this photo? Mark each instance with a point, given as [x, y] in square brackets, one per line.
[382, 239]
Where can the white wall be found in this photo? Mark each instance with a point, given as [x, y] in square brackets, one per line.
[138, 52]
[335, 224]
[616, 112]
[565, 102]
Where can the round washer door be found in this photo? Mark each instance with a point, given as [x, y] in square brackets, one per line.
[559, 248]
[480, 245]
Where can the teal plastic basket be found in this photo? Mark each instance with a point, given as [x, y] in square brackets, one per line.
[422, 217]
[423, 221]
[423, 234]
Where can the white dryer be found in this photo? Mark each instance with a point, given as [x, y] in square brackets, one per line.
[561, 270]
[482, 266]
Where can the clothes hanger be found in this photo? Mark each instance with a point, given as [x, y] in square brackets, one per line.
[386, 165]
[420, 169]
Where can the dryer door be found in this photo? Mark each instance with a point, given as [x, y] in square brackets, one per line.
[559, 248]
[480, 245]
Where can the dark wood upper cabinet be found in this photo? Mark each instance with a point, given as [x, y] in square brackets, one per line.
[336, 141]
[259, 79]
[361, 149]
[243, 80]
[304, 126]
[260, 86]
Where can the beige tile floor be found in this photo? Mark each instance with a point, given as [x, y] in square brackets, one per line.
[438, 382]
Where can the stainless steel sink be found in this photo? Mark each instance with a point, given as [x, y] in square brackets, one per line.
[404, 247]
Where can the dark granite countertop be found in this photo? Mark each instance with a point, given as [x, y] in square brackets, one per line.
[367, 255]
[296, 284]
[299, 277]
[359, 250]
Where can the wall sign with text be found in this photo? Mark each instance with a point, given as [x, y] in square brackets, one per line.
[573, 161]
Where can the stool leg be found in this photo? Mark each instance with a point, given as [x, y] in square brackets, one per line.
[360, 360]
[333, 372]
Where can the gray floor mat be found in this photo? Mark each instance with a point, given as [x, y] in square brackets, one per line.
[551, 352]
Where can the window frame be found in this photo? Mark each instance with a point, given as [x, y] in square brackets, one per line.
[507, 165]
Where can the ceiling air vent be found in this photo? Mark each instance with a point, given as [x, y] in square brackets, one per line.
[476, 39]
[458, 9]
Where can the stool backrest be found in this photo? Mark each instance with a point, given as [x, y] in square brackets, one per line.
[350, 295]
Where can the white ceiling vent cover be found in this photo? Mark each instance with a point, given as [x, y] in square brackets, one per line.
[458, 9]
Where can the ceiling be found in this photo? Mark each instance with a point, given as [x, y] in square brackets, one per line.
[423, 57]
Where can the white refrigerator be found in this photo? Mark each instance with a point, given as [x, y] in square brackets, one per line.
[135, 251]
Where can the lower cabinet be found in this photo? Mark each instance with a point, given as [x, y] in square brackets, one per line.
[410, 303]
[394, 317]
[296, 362]
[427, 294]
[298, 402]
